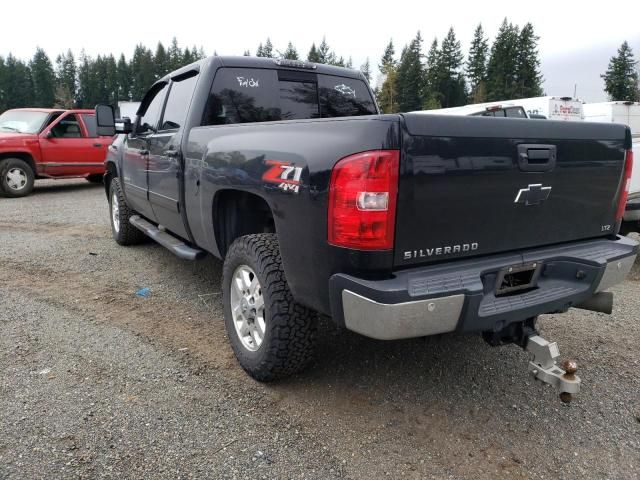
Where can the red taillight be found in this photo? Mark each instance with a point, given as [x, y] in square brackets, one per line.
[626, 185]
[362, 200]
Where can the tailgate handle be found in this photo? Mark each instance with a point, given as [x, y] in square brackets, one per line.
[536, 158]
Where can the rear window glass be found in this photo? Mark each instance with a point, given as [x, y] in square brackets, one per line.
[243, 95]
[90, 123]
[344, 97]
[516, 112]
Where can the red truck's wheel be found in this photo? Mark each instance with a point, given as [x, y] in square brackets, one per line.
[119, 212]
[271, 335]
[16, 177]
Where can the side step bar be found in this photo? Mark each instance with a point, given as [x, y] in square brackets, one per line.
[168, 241]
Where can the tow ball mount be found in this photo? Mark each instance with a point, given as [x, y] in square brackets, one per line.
[543, 367]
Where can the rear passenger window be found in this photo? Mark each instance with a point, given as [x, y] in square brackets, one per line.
[175, 113]
[242, 95]
[516, 112]
[245, 95]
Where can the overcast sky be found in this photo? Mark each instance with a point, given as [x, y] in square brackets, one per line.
[576, 38]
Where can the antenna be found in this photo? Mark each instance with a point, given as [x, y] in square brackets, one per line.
[575, 90]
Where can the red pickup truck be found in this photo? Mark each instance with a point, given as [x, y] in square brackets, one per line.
[48, 143]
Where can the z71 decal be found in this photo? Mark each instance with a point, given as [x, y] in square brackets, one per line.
[285, 174]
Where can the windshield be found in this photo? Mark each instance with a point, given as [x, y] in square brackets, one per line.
[22, 121]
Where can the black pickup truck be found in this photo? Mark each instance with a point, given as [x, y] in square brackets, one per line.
[395, 226]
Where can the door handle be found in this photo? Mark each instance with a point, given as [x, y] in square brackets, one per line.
[536, 157]
[97, 145]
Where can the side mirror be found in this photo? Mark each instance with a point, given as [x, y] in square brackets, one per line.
[49, 134]
[124, 125]
[105, 118]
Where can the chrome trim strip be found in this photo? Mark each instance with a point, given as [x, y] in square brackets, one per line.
[402, 320]
[72, 164]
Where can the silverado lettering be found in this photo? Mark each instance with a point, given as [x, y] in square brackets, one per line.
[447, 250]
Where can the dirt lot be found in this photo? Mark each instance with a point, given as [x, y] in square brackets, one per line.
[98, 382]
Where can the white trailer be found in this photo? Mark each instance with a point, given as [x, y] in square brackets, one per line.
[615, 112]
[127, 109]
[553, 108]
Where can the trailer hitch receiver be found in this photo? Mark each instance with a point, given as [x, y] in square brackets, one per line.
[543, 367]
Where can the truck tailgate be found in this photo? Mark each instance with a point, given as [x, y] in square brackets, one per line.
[475, 185]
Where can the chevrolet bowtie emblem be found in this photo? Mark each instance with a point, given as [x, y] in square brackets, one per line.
[534, 194]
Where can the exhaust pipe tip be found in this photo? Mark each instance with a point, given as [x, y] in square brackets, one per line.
[601, 302]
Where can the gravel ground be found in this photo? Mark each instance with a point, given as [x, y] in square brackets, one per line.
[97, 382]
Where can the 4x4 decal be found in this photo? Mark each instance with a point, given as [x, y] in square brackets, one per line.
[285, 174]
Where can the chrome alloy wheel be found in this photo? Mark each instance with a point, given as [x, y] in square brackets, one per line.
[247, 307]
[16, 178]
[115, 213]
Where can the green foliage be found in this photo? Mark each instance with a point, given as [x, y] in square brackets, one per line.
[388, 58]
[290, 53]
[621, 78]
[477, 66]
[161, 61]
[503, 63]
[266, 50]
[142, 71]
[43, 79]
[410, 76]
[65, 79]
[365, 68]
[528, 77]
[313, 55]
[325, 55]
[450, 80]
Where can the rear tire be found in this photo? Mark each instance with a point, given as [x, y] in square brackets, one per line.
[95, 178]
[16, 178]
[123, 232]
[271, 335]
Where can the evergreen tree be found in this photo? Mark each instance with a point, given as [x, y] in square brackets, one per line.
[265, 50]
[85, 82]
[313, 55]
[123, 78]
[247, 53]
[432, 99]
[502, 67]
[621, 78]
[111, 80]
[325, 55]
[477, 66]
[528, 76]
[161, 61]
[3, 76]
[175, 55]
[349, 63]
[365, 68]
[409, 80]
[451, 82]
[65, 92]
[387, 58]
[142, 74]
[187, 57]
[290, 53]
[387, 94]
[18, 84]
[43, 79]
